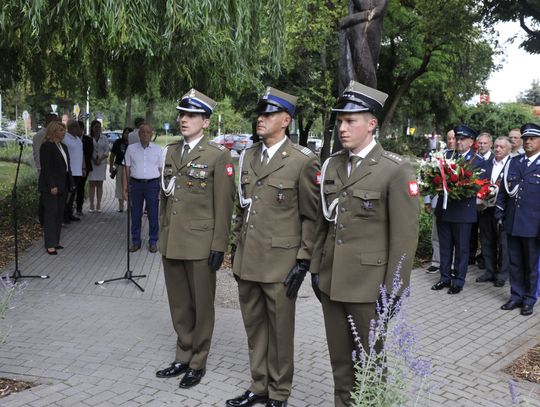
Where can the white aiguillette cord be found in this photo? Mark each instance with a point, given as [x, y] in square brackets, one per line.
[244, 202]
[169, 189]
[327, 210]
[514, 191]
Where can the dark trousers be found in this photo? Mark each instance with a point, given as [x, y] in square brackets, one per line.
[524, 253]
[70, 198]
[53, 213]
[454, 238]
[494, 246]
[141, 193]
[79, 200]
[473, 243]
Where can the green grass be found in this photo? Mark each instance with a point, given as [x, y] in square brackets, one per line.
[7, 175]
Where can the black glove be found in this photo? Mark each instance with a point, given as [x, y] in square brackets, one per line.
[214, 260]
[500, 226]
[294, 279]
[233, 253]
[392, 308]
[315, 286]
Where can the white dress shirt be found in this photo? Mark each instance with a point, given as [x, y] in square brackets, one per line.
[497, 168]
[75, 150]
[143, 163]
[272, 150]
[362, 154]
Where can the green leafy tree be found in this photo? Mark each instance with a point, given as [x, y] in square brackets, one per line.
[438, 42]
[497, 119]
[532, 95]
[527, 12]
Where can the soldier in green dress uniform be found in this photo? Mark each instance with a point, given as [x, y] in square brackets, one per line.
[195, 213]
[369, 222]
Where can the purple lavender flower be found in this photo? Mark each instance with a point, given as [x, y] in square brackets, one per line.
[514, 395]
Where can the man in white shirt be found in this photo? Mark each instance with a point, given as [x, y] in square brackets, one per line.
[143, 169]
[494, 242]
[73, 142]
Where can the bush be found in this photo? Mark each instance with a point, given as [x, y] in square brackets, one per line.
[405, 145]
[10, 153]
[27, 201]
[424, 249]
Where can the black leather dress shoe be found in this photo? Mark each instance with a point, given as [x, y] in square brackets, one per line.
[484, 279]
[510, 305]
[173, 370]
[247, 399]
[499, 283]
[276, 403]
[454, 289]
[74, 218]
[526, 310]
[192, 378]
[134, 247]
[440, 285]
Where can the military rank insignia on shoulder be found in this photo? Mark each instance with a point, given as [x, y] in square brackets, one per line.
[303, 150]
[394, 157]
[217, 145]
[174, 143]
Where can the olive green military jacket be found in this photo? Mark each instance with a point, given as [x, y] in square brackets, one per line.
[377, 225]
[282, 217]
[197, 217]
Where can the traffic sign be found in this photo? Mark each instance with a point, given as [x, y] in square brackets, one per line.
[25, 115]
[166, 126]
[76, 110]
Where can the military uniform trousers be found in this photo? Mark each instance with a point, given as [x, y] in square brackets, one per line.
[191, 289]
[454, 240]
[524, 253]
[268, 316]
[340, 341]
[494, 246]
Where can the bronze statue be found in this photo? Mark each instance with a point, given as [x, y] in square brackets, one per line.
[360, 36]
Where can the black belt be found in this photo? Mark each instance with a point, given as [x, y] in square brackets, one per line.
[143, 181]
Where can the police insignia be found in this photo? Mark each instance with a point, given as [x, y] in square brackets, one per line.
[229, 169]
[413, 188]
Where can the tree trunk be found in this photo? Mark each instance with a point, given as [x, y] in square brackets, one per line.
[127, 121]
[393, 100]
[304, 131]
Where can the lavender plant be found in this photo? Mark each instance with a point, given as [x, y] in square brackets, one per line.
[9, 291]
[390, 372]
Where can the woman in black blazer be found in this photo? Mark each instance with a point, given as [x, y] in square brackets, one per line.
[53, 183]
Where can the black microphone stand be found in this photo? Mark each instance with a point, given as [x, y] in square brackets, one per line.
[17, 273]
[129, 274]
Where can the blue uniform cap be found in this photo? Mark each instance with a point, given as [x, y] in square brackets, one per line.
[530, 130]
[465, 131]
[274, 101]
[196, 102]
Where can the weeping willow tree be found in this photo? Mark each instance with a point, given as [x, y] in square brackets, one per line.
[154, 48]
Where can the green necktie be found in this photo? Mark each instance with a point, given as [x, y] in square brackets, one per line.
[185, 154]
[354, 159]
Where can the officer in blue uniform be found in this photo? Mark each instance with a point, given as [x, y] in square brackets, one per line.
[454, 223]
[518, 212]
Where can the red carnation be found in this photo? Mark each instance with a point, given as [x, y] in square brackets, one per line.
[453, 178]
[468, 173]
[448, 170]
[453, 166]
[437, 179]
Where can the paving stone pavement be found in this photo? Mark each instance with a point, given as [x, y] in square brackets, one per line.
[90, 345]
